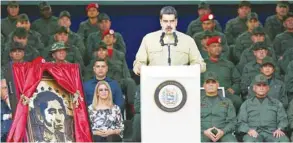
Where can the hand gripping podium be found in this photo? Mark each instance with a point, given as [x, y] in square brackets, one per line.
[170, 104]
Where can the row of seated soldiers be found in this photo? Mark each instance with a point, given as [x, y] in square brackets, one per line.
[51, 38]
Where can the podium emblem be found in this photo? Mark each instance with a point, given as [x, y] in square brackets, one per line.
[170, 96]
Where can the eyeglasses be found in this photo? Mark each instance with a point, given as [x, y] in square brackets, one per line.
[104, 89]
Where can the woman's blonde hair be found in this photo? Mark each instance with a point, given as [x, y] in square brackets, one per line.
[96, 99]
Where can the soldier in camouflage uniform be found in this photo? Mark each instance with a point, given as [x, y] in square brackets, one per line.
[60, 53]
[261, 117]
[16, 54]
[274, 24]
[289, 81]
[218, 116]
[252, 68]
[118, 69]
[91, 24]
[277, 87]
[96, 37]
[8, 24]
[236, 26]
[244, 41]
[195, 25]
[228, 75]
[19, 35]
[201, 42]
[284, 41]
[208, 23]
[258, 35]
[47, 24]
[33, 36]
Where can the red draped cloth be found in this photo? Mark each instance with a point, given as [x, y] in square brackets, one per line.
[28, 75]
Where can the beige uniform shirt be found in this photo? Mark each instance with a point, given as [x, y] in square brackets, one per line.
[152, 53]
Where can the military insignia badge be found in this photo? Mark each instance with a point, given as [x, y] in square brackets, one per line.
[111, 32]
[211, 17]
[219, 40]
[170, 96]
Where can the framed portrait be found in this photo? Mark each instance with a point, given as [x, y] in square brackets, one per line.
[50, 113]
[48, 103]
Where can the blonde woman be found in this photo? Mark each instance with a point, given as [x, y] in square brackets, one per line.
[105, 117]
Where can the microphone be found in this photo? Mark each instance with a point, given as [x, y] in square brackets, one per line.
[175, 38]
[162, 39]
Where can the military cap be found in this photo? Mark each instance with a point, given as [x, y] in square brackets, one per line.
[283, 4]
[244, 3]
[43, 5]
[92, 5]
[13, 4]
[64, 13]
[258, 30]
[268, 60]
[203, 5]
[103, 16]
[214, 39]
[207, 17]
[102, 45]
[23, 17]
[20, 32]
[259, 46]
[16, 45]
[290, 14]
[61, 29]
[252, 15]
[58, 46]
[210, 76]
[260, 78]
[107, 32]
[207, 33]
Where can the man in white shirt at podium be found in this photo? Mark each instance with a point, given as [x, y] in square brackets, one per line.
[168, 46]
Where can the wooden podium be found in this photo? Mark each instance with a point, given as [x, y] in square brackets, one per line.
[170, 103]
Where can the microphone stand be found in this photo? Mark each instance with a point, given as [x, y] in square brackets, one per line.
[169, 45]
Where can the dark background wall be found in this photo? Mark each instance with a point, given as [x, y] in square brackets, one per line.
[134, 21]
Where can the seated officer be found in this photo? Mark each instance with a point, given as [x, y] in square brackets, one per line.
[218, 116]
[229, 76]
[20, 35]
[244, 41]
[277, 87]
[290, 118]
[100, 68]
[262, 117]
[258, 35]
[118, 70]
[208, 23]
[16, 54]
[251, 69]
[289, 81]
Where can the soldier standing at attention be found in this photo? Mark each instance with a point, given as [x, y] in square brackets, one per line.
[8, 24]
[274, 24]
[47, 24]
[91, 24]
[236, 26]
[284, 40]
[195, 25]
[153, 52]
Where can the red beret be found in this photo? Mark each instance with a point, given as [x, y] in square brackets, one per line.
[110, 31]
[207, 17]
[92, 5]
[215, 39]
